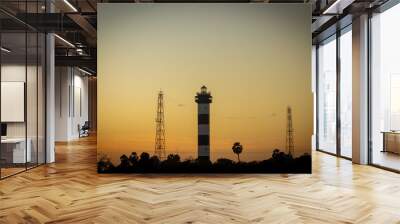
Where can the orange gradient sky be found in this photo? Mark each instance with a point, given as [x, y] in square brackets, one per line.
[254, 58]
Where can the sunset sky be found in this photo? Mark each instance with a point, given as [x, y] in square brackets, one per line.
[254, 58]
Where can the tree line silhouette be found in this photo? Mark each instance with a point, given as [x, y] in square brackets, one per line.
[280, 162]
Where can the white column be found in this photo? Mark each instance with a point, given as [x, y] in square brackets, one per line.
[360, 90]
[50, 98]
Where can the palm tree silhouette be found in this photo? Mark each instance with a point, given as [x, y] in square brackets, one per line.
[237, 148]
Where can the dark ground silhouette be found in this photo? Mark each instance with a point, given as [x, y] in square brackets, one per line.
[280, 162]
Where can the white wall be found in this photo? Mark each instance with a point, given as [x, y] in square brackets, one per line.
[16, 73]
[11, 73]
[80, 110]
[62, 81]
[71, 102]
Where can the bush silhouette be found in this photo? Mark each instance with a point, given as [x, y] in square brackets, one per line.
[124, 165]
[280, 162]
[104, 165]
[133, 158]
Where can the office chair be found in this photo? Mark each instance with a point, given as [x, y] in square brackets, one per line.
[84, 130]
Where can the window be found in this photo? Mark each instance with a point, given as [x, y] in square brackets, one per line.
[346, 93]
[395, 102]
[334, 106]
[327, 95]
[385, 88]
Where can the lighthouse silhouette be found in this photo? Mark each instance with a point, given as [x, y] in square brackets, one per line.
[203, 100]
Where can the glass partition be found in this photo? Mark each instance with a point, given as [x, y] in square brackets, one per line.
[13, 94]
[22, 92]
[31, 98]
[41, 106]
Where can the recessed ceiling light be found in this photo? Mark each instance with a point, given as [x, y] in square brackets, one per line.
[70, 5]
[84, 71]
[337, 7]
[335, 4]
[5, 50]
[64, 40]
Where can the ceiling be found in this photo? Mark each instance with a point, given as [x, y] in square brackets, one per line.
[75, 22]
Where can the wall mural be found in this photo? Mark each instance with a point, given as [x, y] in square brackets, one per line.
[204, 88]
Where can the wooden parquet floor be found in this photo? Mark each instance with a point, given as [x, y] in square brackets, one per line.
[70, 191]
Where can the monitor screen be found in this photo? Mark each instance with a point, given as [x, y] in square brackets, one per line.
[3, 129]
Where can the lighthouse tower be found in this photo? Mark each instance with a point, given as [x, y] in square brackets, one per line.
[203, 100]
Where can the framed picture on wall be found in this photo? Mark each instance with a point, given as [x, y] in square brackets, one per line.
[204, 88]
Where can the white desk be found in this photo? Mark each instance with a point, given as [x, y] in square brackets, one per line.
[19, 154]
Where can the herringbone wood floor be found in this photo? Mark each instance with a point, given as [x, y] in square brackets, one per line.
[70, 191]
